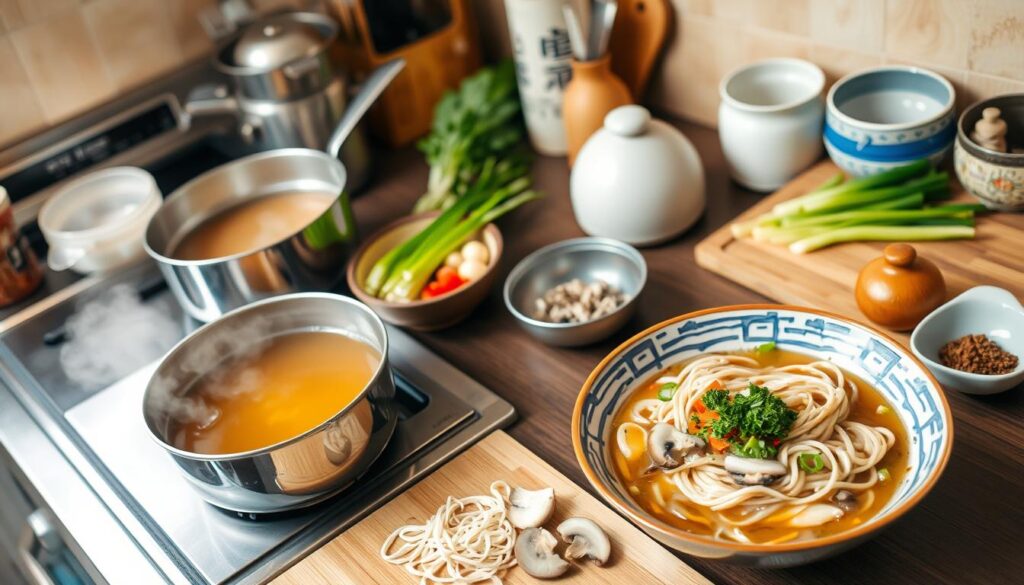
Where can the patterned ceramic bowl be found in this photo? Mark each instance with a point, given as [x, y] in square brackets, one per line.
[898, 375]
[885, 117]
[996, 178]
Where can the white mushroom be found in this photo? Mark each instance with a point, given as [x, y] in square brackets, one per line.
[530, 508]
[815, 515]
[535, 552]
[750, 471]
[845, 500]
[586, 539]
[669, 447]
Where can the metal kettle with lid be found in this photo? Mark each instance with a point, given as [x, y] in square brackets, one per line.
[286, 90]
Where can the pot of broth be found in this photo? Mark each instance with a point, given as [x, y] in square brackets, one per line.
[277, 405]
[271, 223]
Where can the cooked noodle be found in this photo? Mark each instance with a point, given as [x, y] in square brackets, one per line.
[468, 540]
[707, 494]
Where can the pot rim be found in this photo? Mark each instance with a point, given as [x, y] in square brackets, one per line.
[808, 67]
[382, 366]
[184, 191]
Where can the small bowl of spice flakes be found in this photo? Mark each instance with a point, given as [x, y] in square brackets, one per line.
[975, 342]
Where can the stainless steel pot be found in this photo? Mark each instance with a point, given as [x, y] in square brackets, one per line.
[286, 90]
[312, 259]
[298, 472]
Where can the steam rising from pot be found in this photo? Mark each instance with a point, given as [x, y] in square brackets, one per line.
[112, 335]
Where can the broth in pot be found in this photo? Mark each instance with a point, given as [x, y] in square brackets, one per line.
[273, 392]
[252, 225]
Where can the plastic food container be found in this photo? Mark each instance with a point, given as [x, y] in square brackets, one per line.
[96, 223]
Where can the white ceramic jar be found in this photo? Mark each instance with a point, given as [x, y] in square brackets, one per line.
[637, 180]
[770, 121]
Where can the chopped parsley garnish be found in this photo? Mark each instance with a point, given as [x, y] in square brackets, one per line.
[667, 391]
[811, 462]
[754, 421]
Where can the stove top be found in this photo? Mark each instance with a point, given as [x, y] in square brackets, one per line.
[76, 356]
[441, 411]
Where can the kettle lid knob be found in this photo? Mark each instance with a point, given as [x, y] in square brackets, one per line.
[628, 120]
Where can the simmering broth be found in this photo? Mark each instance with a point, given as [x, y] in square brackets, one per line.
[754, 514]
[286, 387]
[252, 225]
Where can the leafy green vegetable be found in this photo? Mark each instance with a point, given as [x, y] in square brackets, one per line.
[755, 448]
[477, 123]
[765, 347]
[667, 391]
[755, 420]
[811, 462]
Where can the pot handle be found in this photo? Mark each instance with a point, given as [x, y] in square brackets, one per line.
[210, 98]
[374, 85]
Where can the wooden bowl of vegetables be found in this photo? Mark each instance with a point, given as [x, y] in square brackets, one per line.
[422, 274]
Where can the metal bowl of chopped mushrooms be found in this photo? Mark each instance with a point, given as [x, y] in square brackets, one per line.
[576, 292]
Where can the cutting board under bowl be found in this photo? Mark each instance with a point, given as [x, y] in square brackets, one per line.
[354, 556]
[825, 279]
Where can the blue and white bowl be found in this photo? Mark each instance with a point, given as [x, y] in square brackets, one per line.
[889, 116]
[899, 376]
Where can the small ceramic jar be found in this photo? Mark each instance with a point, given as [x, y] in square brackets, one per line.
[899, 288]
[637, 180]
[770, 120]
[995, 178]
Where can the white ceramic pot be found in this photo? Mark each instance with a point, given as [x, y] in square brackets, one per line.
[770, 121]
[637, 180]
[543, 55]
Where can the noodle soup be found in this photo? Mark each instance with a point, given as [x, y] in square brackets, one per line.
[762, 448]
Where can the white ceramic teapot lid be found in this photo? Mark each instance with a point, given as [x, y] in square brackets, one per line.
[629, 120]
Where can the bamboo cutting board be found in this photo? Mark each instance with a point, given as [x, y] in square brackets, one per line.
[825, 279]
[354, 556]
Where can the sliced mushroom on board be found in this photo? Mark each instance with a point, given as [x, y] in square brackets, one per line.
[586, 540]
[535, 552]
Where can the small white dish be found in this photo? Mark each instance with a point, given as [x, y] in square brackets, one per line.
[988, 310]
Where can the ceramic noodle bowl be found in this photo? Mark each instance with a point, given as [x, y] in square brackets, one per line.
[897, 375]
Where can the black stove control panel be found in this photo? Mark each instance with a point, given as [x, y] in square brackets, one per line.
[93, 147]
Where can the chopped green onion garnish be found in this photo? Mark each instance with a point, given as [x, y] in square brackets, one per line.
[765, 347]
[811, 462]
[883, 409]
[883, 474]
[667, 391]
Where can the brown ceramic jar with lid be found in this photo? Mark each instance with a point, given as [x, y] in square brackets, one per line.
[899, 288]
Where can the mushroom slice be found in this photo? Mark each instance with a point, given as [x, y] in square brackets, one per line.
[845, 500]
[530, 508]
[669, 446]
[586, 539]
[535, 552]
[816, 515]
[749, 471]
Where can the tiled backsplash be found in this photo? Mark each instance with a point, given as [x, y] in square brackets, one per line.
[61, 57]
[977, 44]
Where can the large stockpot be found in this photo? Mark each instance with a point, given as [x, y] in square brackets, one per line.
[285, 89]
[311, 259]
[300, 471]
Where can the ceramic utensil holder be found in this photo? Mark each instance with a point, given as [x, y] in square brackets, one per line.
[542, 52]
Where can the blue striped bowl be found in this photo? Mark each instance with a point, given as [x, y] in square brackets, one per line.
[889, 116]
[894, 371]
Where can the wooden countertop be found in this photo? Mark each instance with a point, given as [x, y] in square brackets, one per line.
[966, 531]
